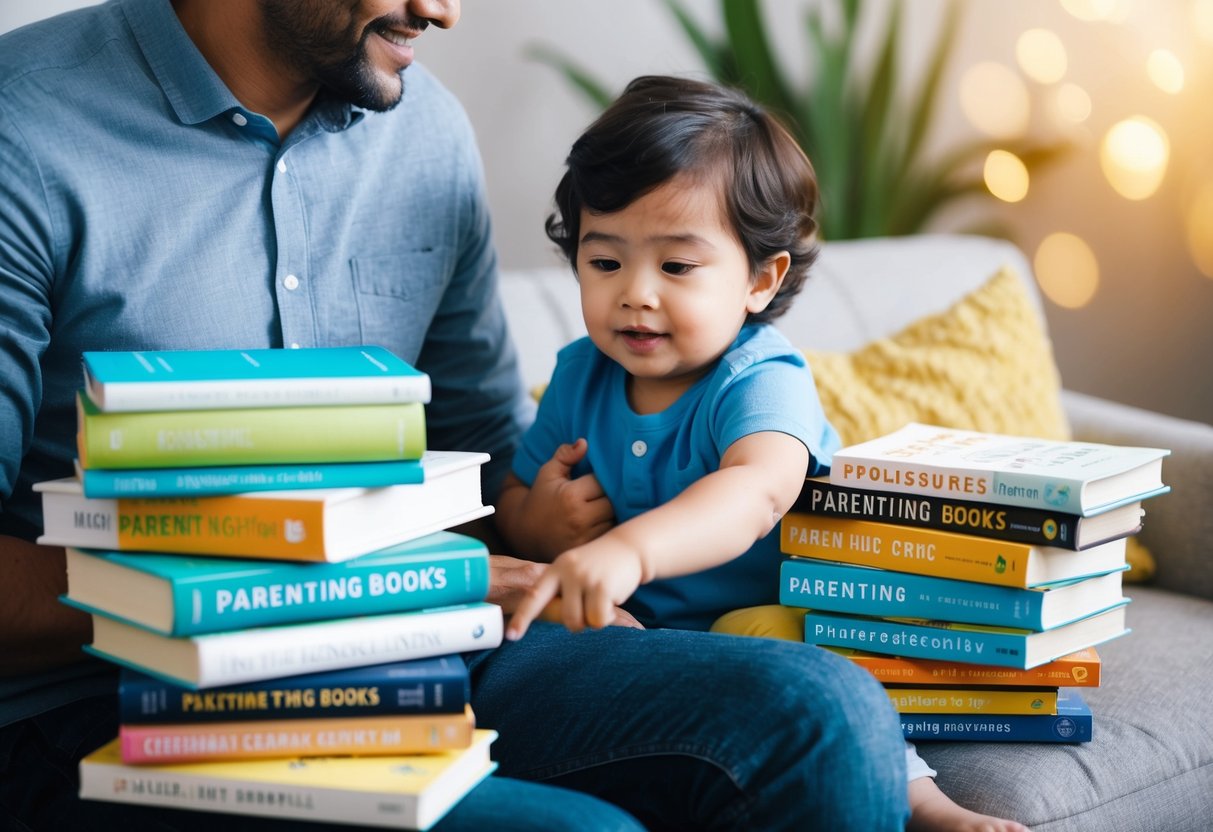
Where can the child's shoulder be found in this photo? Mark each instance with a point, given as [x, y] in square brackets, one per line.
[760, 343]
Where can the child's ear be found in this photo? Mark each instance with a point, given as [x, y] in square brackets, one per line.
[766, 283]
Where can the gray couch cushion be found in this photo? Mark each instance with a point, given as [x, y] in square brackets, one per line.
[1149, 766]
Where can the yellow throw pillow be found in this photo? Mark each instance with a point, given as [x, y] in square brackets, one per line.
[984, 364]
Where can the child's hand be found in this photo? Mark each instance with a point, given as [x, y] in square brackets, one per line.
[569, 511]
[591, 581]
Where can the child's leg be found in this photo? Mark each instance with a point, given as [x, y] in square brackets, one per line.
[930, 809]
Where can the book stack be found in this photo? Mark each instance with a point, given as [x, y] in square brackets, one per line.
[972, 573]
[262, 540]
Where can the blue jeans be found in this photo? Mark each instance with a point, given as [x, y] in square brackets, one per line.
[599, 730]
[692, 730]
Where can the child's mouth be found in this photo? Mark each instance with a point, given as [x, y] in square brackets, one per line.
[641, 340]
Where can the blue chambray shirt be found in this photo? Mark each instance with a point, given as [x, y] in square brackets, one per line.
[142, 207]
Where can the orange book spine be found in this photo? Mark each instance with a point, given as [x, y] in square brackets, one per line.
[905, 549]
[286, 529]
[1080, 669]
[324, 737]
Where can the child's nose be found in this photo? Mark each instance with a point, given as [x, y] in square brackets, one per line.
[639, 292]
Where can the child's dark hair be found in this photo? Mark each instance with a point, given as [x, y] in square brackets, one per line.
[661, 127]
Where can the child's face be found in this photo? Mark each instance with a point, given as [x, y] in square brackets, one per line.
[665, 288]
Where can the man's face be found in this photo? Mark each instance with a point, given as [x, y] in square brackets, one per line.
[357, 49]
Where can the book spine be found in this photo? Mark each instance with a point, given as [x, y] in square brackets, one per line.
[230, 525]
[1032, 490]
[884, 593]
[1075, 672]
[1012, 523]
[972, 701]
[342, 433]
[126, 397]
[271, 652]
[236, 479]
[263, 597]
[915, 641]
[903, 549]
[146, 700]
[1061, 728]
[187, 743]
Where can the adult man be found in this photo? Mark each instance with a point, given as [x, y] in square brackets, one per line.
[206, 174]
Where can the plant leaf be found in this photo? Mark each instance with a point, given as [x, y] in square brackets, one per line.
[590, 87]
[758, 72]
[710, 51]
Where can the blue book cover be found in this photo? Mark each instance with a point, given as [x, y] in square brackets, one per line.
[201, 379]
[918, 638]
[419, 686]
[237, 479]
[180, 595]
[1071, 724]
[832, 587]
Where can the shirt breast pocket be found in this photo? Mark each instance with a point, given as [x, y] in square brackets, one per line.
[398, 295]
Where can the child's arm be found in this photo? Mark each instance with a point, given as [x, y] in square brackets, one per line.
[713, 521]
[557, 512]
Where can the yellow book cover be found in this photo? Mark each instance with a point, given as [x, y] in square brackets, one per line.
[972, 700]
[399, 792]
[309, 737]
[1079, 669]
[942, 554]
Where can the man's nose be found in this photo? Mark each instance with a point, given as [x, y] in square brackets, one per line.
[442, 13]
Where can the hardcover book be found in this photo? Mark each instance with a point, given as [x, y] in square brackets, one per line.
[1081, 668]
[1014, 523]
[832, 587]
[181, 438]
[972, 700]
[201, 379]
[327, 524]
[191, 594]
[1071, 724]
[943, 554]
[218, 659]
[420, 686]
[206, 481]
[277, 738]
[1072, 477]
[398, 792]
[973, 643]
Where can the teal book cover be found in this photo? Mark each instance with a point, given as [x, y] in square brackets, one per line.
[197, 379]
[180, 595]
[236, 479]
[832, 587]
[916, 638]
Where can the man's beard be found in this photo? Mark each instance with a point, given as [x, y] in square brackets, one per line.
[310, 36]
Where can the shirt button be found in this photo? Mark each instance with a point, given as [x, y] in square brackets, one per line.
[239, 119]
[281, 166]
[294, 346]
[639, 448]
[291, 282]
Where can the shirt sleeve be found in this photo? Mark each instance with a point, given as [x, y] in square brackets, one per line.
[776, 395]
[551, 426]
[479, 402]
[26, 270]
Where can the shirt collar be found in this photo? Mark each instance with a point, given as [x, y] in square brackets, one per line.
[191, 86]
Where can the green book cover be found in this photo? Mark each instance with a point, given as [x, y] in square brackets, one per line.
[165, 439]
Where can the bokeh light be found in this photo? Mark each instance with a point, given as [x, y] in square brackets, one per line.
[1041, 55]
[1006, 175]
[1134, 155]
[995, 100]
[1165, 71]
[1202, 18]
[1066, 270]
[1072, 103]
[1198, 223]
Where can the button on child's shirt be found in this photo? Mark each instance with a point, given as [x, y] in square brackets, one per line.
[638, 485]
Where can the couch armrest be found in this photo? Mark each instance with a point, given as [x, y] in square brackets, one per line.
[1178, 526]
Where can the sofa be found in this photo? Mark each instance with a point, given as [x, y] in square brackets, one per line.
[1150, 763]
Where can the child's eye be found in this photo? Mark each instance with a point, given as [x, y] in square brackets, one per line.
[605, 264]
[676, 268]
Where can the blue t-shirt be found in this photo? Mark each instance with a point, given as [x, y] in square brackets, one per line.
[142, 206]
[643, 461]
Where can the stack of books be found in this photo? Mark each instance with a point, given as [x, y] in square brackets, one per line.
[261, 538]
[972, 573]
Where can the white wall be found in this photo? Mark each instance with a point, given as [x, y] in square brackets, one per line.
[1146, 337]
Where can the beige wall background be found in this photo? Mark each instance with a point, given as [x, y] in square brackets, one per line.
[1145, 337]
